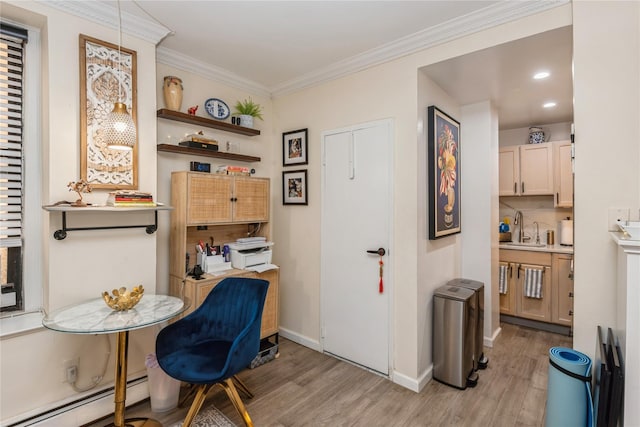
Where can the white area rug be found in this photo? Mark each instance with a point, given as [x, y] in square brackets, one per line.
[209, 417]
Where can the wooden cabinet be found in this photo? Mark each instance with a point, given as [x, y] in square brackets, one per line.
[530, 308]
[215, 209]
[526, 170]
[563, 174]
[509, 164]
[556, 304]
[221, 199]
[218, 209]
[536, 169]
[508, 299]
[197, 290]
[562, 307]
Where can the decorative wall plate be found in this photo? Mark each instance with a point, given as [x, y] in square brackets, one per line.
[216, 108]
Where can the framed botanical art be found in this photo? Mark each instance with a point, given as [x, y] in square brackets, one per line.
[444, 173]
[294, 148]
[294, 187]
[105, 76]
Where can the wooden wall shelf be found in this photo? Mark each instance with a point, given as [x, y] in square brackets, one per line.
[169, 148]
[177, 116]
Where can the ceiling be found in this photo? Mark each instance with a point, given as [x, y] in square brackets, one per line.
[277, 46]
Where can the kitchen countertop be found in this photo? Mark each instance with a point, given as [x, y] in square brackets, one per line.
[560, 249]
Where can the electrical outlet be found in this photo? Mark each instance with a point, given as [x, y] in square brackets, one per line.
[617, 214]
[69, 367]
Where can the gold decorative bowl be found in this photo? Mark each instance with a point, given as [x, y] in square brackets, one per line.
[123, 299]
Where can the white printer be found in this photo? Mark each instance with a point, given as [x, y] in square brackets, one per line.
[250, 252]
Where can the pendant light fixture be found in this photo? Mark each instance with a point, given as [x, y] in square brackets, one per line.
[118, 128]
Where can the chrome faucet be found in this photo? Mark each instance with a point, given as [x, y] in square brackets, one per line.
[518, 220]
[537, 232]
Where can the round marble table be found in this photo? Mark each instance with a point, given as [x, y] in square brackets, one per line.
[94, 317]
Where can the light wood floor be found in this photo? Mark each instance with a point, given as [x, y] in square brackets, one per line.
[306, 388]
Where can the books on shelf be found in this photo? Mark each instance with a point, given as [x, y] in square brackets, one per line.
[233, 170]
[124, 198]
[198, 140]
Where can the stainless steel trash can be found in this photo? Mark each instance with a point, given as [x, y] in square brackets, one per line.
[453, 323]
[479, 359]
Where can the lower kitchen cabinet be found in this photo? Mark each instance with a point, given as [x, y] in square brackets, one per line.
[508, 299]
[195, 291]
[534, 308]
[554, 298]
[562, 308]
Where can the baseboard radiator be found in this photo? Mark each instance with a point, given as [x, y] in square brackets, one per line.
[83, 410]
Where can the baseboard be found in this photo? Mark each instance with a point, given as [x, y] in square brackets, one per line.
[413, 384]
[534, 324]
[81, 411]
[300, 339]
[488, 342]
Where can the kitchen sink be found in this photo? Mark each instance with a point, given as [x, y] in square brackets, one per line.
[527, 244]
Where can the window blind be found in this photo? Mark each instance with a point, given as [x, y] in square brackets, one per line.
[11, 154]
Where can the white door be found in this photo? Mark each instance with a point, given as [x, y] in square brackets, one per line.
[356, 218]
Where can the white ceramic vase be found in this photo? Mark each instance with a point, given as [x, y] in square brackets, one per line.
[246, 120]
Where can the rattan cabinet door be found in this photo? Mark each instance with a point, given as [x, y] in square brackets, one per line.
[251, 199]
[209, 199]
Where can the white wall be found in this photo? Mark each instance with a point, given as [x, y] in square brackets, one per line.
[86, 263]
[479, 256]
[520, 136]
[607, 153]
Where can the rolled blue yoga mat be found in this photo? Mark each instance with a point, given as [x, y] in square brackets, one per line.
[569, 389]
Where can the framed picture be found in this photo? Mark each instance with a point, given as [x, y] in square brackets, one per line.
[106, 76]
[294, 187]
[444, 174]
[294, 148]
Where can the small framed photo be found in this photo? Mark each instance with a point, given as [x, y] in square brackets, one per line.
[294, 148]
[294, 187]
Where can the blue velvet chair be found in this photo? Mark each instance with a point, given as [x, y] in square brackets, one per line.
[215, 342]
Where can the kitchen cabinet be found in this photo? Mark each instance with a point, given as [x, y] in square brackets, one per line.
[530, 308]
[197, 290]
[563, 174]
[562, 307]
[509, 164]
[508, 299]
[526, 170]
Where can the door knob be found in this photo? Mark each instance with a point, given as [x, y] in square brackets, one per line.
[380, 252]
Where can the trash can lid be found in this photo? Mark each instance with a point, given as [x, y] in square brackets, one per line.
[466, 283]
[454, 292]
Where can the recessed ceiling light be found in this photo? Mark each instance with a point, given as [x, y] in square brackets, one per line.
[549, 104]
[541, 75]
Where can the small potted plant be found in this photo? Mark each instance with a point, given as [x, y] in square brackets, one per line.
[247, 110]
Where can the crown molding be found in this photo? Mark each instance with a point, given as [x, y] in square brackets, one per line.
[106, 15]
[488, 17]
[491, 16]
[175, 59]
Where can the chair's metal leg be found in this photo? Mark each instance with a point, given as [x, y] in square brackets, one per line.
[243, 388]
[188, 395]
[237, 402]
[197, 404]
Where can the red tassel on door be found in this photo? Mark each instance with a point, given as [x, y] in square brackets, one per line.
[381, 285]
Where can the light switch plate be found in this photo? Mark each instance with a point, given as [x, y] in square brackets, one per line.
[617, 214]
